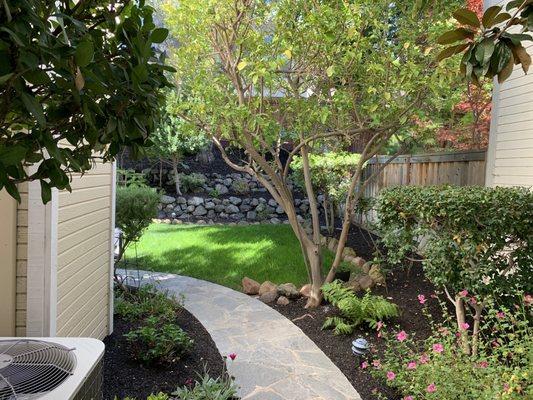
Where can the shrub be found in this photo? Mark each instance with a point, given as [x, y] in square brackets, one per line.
[158, 341]
[208, 388]
[192, 182]
[474, 240]
[135, 208]
[129, 177]
[158, 396]
[436, 368]
[240, 186]
[144, 302]
[354, 310]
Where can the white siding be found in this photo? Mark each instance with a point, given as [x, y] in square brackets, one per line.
[510, 153]
[84, 254]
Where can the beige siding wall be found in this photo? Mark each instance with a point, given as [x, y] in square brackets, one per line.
[8, 263]
[83, 255]
[22, 260]
[510, 153]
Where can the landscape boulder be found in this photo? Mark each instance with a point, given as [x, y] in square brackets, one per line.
[167, 199]
[266, 287]
[365, 281]
[283, 301]
[269, 297]
[305, 291]
[288, 290]
[249, 286]
[376, 275]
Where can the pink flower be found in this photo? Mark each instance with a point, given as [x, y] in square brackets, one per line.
[473, 301]
[401, 336]
[379, 325]
[391, 375]
[431, 388]
[463, 293]
[189, 381]
[233, 356]
[500, 315]
[364, 365]
[411, 365]
[528, 299]
[483, 364]
[465, 326]
[424, 359]
[438, 348]
[376, 364]
[421, 298]
[408, 398]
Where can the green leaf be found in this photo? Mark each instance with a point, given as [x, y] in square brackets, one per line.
[467, 17]
[501, 18]
[242, 65]
[159, 35]
[12, 190]
[455, 35]
[34, 108]
[12, 155]
[5, 78]
[489, 15]
[450, 51]
[330, 70]
[484, 50]
[46, 192]
[84, 53]
[500, 57]
[507, 70]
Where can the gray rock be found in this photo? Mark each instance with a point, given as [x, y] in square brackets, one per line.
[261, 207]
[211, 214]
[169, 207]
[195, 201]
[251, 215]
[235, 200]
[254, 202]
[228, 181]
[220, 208]
[288, 290]
[279, 210]
[272, 203]
[245, 207]
[237, 216]
[275, 221]
[190, 208]
[269, 297]
[221, 189]
[232, 209]
[200, 210]
[167, 199]
[209, 205]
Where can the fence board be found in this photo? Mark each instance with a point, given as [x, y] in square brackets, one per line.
[460, 168]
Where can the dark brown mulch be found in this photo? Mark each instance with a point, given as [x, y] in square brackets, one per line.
[125, 377]
[402, 289]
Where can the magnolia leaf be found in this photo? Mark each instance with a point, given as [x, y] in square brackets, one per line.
[84, 53]
[501, 18]
[489, 15]
[159, 35]
[79, 80]
[455, 35]
[450, 51]
[242, 65]
[507, 70]
[46, 192]
[484, 50]
[34, 108]
[467, 17]
[522, 57]
[5, 78]
[12, 155]
[500, 57]
[12, 190]
[330, 71]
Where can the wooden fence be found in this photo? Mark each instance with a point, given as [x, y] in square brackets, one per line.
[459, 168]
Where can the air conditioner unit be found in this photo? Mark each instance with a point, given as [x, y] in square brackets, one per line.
[51, 368]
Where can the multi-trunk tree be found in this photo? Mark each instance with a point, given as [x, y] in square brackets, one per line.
[302, 76]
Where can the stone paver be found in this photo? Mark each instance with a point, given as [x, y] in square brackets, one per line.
[275, 359]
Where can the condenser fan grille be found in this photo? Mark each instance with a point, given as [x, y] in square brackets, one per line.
[30, 368]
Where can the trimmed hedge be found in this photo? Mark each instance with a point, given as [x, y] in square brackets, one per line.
[474, 238]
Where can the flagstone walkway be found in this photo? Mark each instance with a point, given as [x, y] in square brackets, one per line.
[275, 359]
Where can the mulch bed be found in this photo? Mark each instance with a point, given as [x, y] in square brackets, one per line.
[402, 289]
[125, 377]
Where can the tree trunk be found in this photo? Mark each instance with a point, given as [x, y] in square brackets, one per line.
[176, 175]
[315, 265]
[475, 333]
[460, 315]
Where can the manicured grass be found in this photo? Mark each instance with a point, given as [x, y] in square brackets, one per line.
[224, 254]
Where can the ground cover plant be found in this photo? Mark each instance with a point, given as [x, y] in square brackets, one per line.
[224, 254]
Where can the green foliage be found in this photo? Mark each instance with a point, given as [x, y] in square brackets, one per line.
[501, 370]
[330, 172]
[76, 80]
[135, 208]
[134, 305]
[208, 388]
[354, 310]
[158, 341]
[192, 182]
[158, 396]
[487, 46]
[474, 238]
[175, 138]
[240, 186]
[129, 177]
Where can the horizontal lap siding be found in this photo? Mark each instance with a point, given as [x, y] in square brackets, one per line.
[83, 255]
[511, 144]
[22, 261]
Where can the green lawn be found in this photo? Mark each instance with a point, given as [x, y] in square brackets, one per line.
[224, 254]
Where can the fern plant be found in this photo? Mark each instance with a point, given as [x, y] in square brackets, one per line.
[355, 310]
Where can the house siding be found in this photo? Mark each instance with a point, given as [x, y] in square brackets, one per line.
[22, 261]
[510, 153]
[84, 254]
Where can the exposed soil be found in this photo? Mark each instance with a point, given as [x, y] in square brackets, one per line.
[125, 377]
[402, 289]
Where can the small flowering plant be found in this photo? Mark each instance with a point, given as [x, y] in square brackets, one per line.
[437, 368]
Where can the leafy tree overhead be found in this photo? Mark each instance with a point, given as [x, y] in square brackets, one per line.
[77, 78]
[317, 74]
